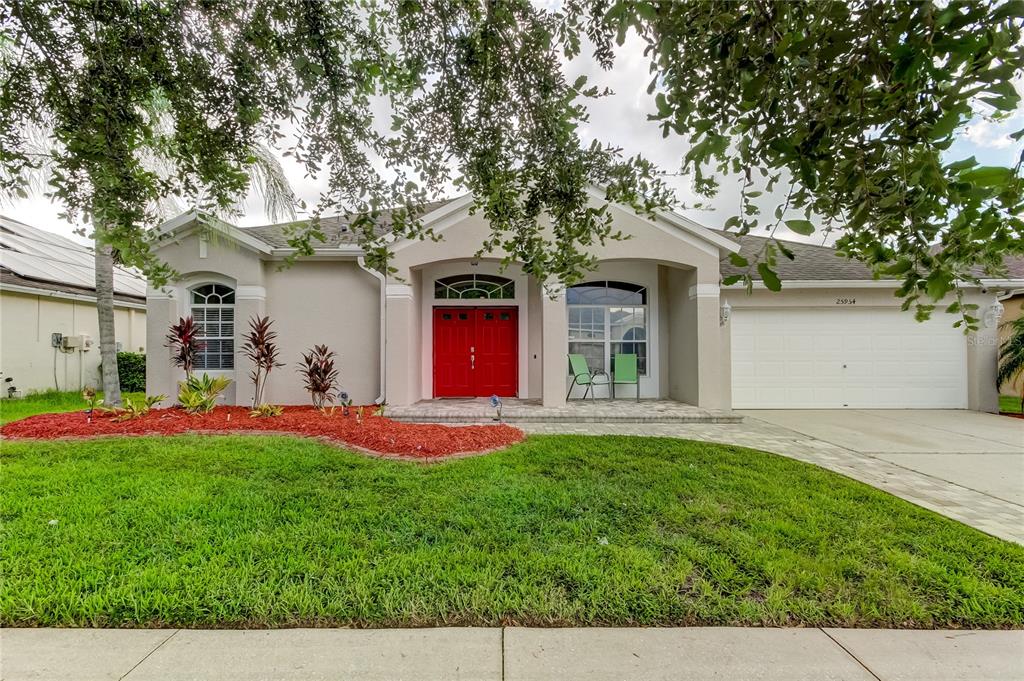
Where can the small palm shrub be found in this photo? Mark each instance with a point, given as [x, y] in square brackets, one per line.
[1011, 356]
[261, 349]
[320, 375]
[266, 410]
[136, 409]
[183, 340]
[198, 394]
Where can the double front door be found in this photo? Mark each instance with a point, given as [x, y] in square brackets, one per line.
[476, 351]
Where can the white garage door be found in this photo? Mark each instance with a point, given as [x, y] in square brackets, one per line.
[859, 358]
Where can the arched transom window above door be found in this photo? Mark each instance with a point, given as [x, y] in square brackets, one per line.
[608, 318]
[474, 287]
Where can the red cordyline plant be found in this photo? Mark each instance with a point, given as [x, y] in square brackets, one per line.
[317, 368]
[261, 349]
[184, 342]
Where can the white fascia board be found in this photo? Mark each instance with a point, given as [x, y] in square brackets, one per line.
[440, 219]
[682, 224]
[176, 223]
[186, 223]
[1002, 283]
[346, 252]
[77, 297]
[870, 283]
[830, 283]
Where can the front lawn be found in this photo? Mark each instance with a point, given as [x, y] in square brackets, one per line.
[45, 403]
[203, 531]
[1009, 404]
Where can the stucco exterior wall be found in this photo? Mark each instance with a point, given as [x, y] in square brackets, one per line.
[27, 356]
[334, 303]
[329, 301]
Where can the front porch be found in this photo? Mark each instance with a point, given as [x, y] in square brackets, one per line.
[479, 410]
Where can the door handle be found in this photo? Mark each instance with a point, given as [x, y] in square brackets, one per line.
[472, 361]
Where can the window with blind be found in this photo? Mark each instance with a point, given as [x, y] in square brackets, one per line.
[607, 318]
[213, 309]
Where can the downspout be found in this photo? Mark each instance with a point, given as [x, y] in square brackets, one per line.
[361, 261]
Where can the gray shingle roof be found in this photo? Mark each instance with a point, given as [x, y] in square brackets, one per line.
[335, 228]
[811, 262]
[821, 263]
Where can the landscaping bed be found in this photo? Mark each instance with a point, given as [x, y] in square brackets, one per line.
[257, 531]
[373, 433]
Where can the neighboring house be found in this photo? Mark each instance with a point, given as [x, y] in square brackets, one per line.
[1013, 308]
[49, 330]
[448, 324]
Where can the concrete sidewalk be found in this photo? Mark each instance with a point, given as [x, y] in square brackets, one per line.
[510, 653]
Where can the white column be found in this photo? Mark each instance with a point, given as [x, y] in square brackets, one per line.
[554, 346]
[250, 301]
[162, 310]
[402, 345]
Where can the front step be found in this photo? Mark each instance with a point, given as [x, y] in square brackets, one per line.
[520, 411]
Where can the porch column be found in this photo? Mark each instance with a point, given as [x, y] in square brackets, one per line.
[250, 301]
[402, 345]
[983, 358]
[555, 335]
[710, 383]
[162, 311]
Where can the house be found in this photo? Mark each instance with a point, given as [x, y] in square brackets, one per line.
[1013, 309]
[446, 323]
[50, 329]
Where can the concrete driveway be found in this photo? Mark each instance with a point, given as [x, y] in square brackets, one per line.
[981, 452]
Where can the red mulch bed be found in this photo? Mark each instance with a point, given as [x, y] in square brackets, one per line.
[1014, 414]
[375, 433]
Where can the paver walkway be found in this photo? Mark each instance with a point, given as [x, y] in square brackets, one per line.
[515, 411]
[519, 654]
[991, 512]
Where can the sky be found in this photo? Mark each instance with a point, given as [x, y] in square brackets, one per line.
[621, 120]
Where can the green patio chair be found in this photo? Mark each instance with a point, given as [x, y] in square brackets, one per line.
[625, 373]
[582, 375]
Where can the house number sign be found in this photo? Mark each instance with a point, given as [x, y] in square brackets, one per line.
[846, 301]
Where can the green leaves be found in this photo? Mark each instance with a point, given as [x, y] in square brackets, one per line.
[855, 104]
[803, 227]
[769, 277]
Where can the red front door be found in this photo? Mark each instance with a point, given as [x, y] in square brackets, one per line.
[476, 351]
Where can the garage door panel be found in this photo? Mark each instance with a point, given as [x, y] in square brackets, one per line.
[858, 358]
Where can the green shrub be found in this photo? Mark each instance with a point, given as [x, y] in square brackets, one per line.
[198, 394]
[131, 368]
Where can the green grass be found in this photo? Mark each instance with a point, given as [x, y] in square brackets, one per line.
[43, 403]
[560, 530]
[1009, 403]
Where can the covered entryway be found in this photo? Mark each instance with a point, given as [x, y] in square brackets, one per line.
[806, 358]
[476, 351]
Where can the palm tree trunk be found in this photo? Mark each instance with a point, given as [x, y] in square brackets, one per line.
[105, 312]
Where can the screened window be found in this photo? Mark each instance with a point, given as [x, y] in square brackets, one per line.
[607, 318]
[474, 287]
[213, 309]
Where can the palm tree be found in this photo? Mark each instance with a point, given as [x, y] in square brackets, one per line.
[266, 179]
[1011, 356]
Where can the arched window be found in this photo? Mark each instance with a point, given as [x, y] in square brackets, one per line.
[607, 318]
[474, 287]
[213, 309]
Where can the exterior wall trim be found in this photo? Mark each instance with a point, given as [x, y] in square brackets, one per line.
[250, 293]
[704, 291]
[398, 291]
